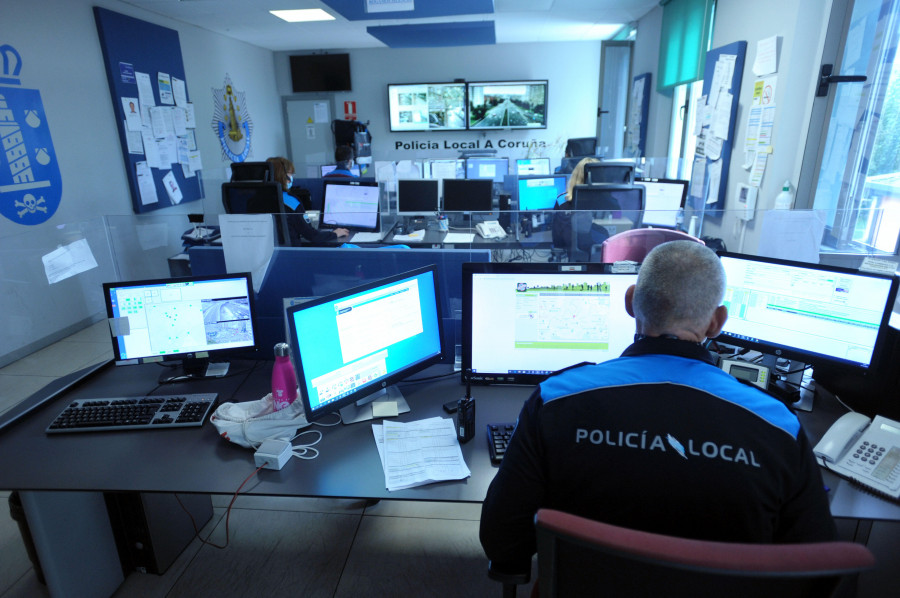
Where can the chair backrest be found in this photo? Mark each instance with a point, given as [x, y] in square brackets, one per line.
[634, 245]
[605, 173]
[258, 198]
[581, 557]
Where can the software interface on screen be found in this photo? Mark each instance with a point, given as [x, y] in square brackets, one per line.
[445, 169]
[538, 323]
[355, 340]
[808, 310]
[662, 200]
[353, 206]
[526, 166]
[540, 193]
[326, 168]
[169, 318]
[417, 196]
[427, 106]
[487, 168]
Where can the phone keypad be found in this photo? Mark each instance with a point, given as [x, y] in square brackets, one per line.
[879, 461]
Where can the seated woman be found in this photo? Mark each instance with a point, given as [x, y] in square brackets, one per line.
[562, 221]
[298, 226]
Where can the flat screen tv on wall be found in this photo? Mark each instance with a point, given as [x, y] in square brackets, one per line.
[320, 72]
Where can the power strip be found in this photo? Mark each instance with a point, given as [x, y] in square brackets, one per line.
[273, 454]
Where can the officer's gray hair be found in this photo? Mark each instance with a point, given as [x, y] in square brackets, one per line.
[680, 283]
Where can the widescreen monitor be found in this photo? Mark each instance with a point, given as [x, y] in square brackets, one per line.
[417, 196]
[662, 200]
[195, 319]
[529, 166]
[540, 192]
[523, 321]
[427, 107]
[326, 168]
[816, 314]
[508, 105]
[351, 204]
[354, 344]
[468, 195]
[487, 168]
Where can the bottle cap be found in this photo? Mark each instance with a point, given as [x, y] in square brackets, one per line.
[282, 350]
[787, 186]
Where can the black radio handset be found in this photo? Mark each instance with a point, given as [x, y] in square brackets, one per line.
[465, 413]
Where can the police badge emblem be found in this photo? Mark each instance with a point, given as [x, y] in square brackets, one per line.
[30, 182]
[232, 122]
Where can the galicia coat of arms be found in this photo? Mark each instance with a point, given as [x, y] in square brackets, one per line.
[30, 182]
[231, 122]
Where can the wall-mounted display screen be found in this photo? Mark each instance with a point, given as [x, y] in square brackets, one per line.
[508, 105]
[427, 106]
[320, 72]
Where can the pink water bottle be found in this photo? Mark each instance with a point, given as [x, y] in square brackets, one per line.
[284, 382]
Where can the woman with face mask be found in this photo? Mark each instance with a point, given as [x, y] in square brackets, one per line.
[283, 171]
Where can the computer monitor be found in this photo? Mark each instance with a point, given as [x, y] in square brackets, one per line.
[468, 195]
[662, 200]
[427, 106]
[350, 347]
[326, 168]
[540, 192]
[523, 321]
[507, 105]
[417, 197]
[627, 199]
[819, 315]
[529, 166]
[251, 197]
[252, 171]
[194, 320]
[440, 169]
[603, 173]
[487, 168]
[352, 205]
[581, 146]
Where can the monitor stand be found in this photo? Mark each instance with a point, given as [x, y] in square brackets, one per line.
[196, 368]
[386, 402]
[787, 387]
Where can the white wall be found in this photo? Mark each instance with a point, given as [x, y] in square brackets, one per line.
[572, 69]
[646, 60]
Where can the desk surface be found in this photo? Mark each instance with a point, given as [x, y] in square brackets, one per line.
[197, 460]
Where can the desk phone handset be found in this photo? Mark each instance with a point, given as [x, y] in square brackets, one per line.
[490, 229]
[866, 451]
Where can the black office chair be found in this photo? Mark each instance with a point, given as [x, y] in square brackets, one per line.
[249, 197]
[603, 173]
[259, 172]
[594, 202]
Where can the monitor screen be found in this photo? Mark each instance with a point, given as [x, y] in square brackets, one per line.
[662, 200]
[197, 317]
[508, 105]
[809, 312]
[524, 321]
[540, 192]
[320, 72]
[445, 169]
[351, 204]
[427, 106]
[326, 168]
[487, 168]
[527, 166]
[353, 343]
[625, 200]
[468, 195]
[417, 196]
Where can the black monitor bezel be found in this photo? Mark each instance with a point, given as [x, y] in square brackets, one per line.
[469, 269]
[117, 355]
[809, 357]
[352, 227]
[434, 187]
[429, 128]
[473, 183]
[363, 391]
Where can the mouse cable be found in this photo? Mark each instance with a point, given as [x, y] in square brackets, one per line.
[227, 512]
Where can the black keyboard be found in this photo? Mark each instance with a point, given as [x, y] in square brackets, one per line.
[498, 439]
[134, 413]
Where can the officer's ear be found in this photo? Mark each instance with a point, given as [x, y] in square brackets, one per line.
[717, 321]
[629, 298]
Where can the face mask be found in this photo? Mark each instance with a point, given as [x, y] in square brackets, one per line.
[290, 180]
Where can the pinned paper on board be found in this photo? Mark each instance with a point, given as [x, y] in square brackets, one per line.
[68, 260]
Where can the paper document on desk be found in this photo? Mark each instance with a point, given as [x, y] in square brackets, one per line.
[420, 452]
[459, 238]
[413, 236]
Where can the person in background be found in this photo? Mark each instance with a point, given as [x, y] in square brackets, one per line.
[561, 227]
[660, 439]
[343, 155]
[297, 225]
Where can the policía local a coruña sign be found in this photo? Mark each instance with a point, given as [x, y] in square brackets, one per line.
[30, 183]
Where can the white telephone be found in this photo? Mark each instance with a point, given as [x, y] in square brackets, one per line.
[867, 451]
[490, 229]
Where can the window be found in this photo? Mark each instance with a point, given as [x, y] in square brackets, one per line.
[683, 134]
[851, 163]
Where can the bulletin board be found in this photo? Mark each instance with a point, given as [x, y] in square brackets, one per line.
[721, 83]
[639, 112]
[161, 158]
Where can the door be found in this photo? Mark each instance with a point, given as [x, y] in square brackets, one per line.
[310, 141]
[615, 83]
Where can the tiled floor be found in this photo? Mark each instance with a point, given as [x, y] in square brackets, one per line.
[294, 547]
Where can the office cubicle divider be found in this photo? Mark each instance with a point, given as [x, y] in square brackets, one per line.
[299, 272]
